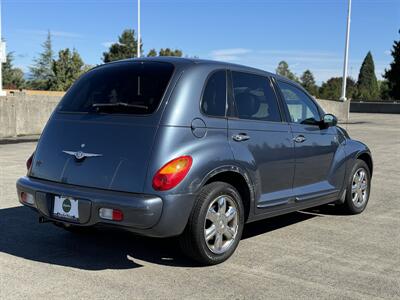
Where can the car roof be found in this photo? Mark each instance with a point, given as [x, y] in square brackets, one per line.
[190, 62]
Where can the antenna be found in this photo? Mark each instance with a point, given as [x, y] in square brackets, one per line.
[3, 58]
[138, 41]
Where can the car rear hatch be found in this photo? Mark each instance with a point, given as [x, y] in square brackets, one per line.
[102, 133]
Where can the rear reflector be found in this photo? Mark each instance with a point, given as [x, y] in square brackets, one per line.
[27, 198]
[111, 214]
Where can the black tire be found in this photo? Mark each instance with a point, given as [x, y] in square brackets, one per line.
[192, 240]
[349, 206]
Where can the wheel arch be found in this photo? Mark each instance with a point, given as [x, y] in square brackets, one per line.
[237, 178]
[367, 158]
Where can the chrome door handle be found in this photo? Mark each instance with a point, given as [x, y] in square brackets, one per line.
[240, 137]
[299, 139]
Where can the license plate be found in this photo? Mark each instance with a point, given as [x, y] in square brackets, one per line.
[66, 207]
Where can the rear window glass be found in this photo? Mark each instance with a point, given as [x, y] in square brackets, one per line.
[129, 87]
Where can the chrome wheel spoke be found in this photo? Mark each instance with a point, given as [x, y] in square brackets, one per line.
[360, 196]
[356, 178]
[210, 232]
[363, 186]
[218, 242]
[355, 198]
[362, 176]
[222, 205]
[229, 233]
[212, 215]
[230, 214]
[353, 189]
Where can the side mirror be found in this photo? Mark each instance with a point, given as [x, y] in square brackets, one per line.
[329, 120]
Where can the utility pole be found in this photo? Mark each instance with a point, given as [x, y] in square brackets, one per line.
[138, 41]
[3, 58]
[346, 54]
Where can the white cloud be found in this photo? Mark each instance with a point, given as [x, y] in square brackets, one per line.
[61, 34]
[230, 54]
[323, 64]
[388, 52]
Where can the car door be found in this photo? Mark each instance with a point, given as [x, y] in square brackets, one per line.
[317, 175]
[261, 140]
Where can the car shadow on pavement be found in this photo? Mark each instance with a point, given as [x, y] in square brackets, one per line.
[21, 235]
[271, 224]
[326, 210]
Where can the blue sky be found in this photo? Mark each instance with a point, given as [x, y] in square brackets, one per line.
[308, 34]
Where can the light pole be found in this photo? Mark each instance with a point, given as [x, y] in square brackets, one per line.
[3, 58]
[346, 54]
[138, 41]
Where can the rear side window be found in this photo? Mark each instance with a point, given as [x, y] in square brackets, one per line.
[301, 108]
[254, 97]
[128, 87]
[214, 96]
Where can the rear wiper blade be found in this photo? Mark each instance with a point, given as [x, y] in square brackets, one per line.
[119, 104]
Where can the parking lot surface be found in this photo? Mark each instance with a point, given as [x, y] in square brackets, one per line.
[313, 254]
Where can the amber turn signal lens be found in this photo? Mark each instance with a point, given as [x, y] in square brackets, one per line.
[172, 173]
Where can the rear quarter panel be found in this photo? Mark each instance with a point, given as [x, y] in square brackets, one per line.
[209, 153]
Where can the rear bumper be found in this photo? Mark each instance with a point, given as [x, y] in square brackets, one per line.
[144, 214]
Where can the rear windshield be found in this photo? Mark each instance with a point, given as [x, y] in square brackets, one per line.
[129, 87]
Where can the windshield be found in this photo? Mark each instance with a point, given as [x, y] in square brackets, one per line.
[128, 87]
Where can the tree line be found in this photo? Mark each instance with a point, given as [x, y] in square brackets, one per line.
[50, 72]
[57, 73]
[367, 87]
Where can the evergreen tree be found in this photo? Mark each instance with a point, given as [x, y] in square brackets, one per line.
[152, 53]
[42, 70]
[170, 52]
[283, 70]
[393, 73]
[165, 52]
[126, 47]
[384, 90]
[331, 90]
[67, 68]
[367, 84]
[13, 78]
[308, 82]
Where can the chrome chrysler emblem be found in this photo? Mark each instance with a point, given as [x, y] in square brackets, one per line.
[81, 155]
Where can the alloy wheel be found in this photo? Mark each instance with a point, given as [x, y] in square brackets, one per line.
[359, 187]
[221, 224]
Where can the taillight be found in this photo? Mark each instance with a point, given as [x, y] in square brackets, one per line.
[29, 162]
[172, 173]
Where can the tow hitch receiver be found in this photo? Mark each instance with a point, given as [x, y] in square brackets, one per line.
[43, 220]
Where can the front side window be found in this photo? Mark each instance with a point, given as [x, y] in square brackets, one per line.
[214, 96]
[301, 108]
[127, 88]
[254, 97]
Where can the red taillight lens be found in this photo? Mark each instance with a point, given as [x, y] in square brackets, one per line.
[117, 215]
[29, 162]
[172, 173]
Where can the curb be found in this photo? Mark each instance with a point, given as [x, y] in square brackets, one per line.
[19, 139]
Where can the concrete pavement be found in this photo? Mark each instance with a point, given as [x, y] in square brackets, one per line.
[314, 254]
